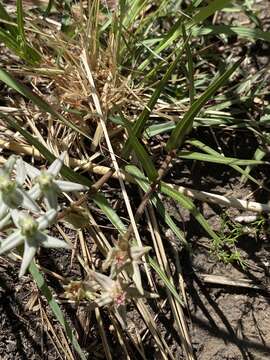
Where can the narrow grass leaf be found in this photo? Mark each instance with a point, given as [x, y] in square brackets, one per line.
[135, 8]
[143, 182]
[140, 151]
[48, 8]
[41, 283]
[139, 125]
[167, 41]
[241, 31]
[156, 129]
[189, 66]
[209, 150]
[28, 52]
[177, 137]
[165, 279]
[10, 42]
[6, 17]
[217, 159]
[209, 10]
[20, 22]
[259, 155]
[107, 210]
[186, 203]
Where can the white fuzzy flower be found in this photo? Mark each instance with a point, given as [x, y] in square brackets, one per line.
[30, 233]
[12, 194]
[47, 185]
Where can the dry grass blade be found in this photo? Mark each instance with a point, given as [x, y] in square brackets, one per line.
[226, 281]
[109, 145]
[175, 306]
[61, 345]
[121, 338]
[227, 201]
[159, 339]
[103, 335]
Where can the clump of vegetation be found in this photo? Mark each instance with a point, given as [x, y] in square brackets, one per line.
[123, 90]
[225, 246]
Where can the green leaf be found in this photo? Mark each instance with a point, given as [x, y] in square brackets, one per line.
[186, 203]
[20, 21]
[177, 137]
[139, 125]
[165, 279]
[41, 283]
[156, 129]
[259, 155]
[48, 8]
[211, 151]
[241, 31]
[10, 42]
[217, 159]
[28, 53]
[143, 182]
[140, 151]
[190, 67]
[6, 17]
[135, 8]
[210, 9]
[174, 33]
[107, 210]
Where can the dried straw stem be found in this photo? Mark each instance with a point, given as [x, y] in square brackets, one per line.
[228, 201]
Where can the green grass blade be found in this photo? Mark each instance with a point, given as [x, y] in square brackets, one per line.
[10, 42]
[209, 10]
[172, 35]
[41, 283]
[138, 128]
[241, 31]
[217, 159]
[165, 279]
[176, 30]
[209, 150]
[177, 137]
[105, 207]
[143, 182]
[140, 151]
[28, 53]
[186, 203]
[20, 22]
[48, 8]
[135, 8]
[43, 105]
[189, 66]
[156, 129]
[6, 17]
[259, 155]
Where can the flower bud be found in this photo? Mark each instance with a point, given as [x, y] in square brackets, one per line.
[28, 226]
